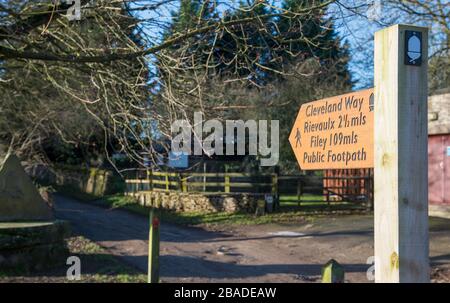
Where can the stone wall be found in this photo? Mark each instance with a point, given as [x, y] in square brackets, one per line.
[439, 114]
[33, 246]
[197, 202]
[441, 211]
[93, 181]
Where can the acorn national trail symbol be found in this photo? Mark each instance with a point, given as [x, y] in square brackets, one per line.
[335, 133]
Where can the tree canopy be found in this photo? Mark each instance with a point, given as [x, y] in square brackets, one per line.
[127, 69]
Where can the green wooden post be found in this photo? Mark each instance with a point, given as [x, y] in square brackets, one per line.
[333, 272]
[153, 247]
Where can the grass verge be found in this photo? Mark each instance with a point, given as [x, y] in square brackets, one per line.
[287, 214]
[97, 266]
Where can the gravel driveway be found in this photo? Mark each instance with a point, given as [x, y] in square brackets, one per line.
[264, 253]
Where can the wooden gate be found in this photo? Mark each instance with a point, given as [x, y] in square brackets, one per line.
[349, 184]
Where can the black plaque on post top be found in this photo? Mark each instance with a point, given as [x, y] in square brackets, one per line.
[413, 48]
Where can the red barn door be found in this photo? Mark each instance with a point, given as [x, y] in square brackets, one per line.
[439, 169]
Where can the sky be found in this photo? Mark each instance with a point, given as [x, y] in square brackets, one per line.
[359, 32]
[356, 28]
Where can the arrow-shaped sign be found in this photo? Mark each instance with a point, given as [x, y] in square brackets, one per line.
[335, 133]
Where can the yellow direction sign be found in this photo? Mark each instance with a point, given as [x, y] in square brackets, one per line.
[335, 133]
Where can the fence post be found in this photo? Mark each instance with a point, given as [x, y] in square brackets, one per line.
[204, 177]
[184, 181]
[274, 184]
[299, 191]
[368, 189]
[150, 177]
[180, 182]
[167, 181]
[134, 185]
[275, 191]
[371, 191]
[227, 184]
[153, 247]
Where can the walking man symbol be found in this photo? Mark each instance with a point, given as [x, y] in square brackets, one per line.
[298, 138]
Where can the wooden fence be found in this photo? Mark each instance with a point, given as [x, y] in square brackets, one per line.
[333, 188]
[205, 183]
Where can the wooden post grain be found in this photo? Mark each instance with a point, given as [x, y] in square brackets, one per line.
[401, 161]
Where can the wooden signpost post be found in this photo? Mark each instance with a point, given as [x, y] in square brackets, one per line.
[384, 128]
[401, 158]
